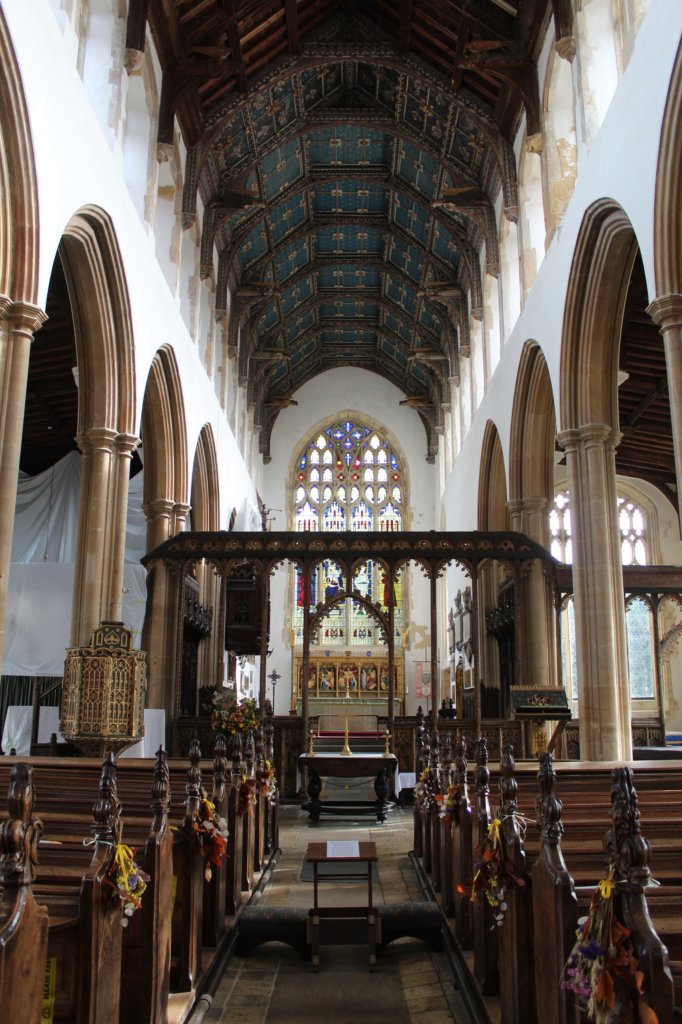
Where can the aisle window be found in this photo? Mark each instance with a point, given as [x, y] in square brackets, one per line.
[638, 612]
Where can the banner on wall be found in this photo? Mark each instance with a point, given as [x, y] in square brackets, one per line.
[422, 686]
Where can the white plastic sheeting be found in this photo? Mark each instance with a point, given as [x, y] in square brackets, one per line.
[38, 623]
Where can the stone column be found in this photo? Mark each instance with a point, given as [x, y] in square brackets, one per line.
[124, 446]
[603, 683]
[90, 605]
[536, 657]
[161, 618]
[18, 323]
[666, 311]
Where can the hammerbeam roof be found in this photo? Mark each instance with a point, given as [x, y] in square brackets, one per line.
[345, 159]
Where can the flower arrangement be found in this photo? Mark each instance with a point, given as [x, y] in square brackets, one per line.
[602, 968]
[426, 792]
[449, 806]
[232, 716]
[211, 833]
[493, 875]
[128, 881]
[248, 795]
[268, 780]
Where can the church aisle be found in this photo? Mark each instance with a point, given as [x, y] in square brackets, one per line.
[274, 985]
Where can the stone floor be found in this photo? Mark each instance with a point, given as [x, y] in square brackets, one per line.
[273, 985]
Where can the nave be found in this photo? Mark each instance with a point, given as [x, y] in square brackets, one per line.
[273, 984]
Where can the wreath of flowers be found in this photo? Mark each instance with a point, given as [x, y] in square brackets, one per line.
[449, 806]
[232, 716]
[603, 966]
[426, 792]
[494, 874]
[248, 795]
[210, 830]
[127, 880]
[268, 780]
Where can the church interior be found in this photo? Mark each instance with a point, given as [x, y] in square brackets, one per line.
[340, 462]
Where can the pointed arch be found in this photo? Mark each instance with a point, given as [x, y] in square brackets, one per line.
[164, 431]
[602, 264]
[668, 200]
[533, 428]
[205, 497]
[103, 326]
[492, 483]
[19, 238]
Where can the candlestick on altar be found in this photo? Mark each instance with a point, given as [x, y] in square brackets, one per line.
[387, 750]
[311, 744]
[347, 752]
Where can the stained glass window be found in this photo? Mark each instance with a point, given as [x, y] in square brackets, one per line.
[360, 487]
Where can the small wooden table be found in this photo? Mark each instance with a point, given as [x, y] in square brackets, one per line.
[335, 926]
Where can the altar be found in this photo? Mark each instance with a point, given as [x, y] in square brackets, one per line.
[382, 767]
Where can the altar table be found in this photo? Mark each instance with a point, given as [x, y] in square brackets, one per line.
[348, 766]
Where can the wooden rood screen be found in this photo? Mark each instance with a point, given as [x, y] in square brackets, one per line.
[432, 551]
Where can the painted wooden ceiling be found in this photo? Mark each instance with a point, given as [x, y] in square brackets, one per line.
[345, 158]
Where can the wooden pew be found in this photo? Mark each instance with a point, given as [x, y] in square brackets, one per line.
[84, 937]
[461, 849]
[23, 923]
[555, 905]
[516, 960]
[188, 872]
[485, 939]
[215, 889]
[145, 973]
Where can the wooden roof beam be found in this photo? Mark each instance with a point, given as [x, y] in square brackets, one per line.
[136, 30]
[405, 25]
[235, 43]
[293, 35]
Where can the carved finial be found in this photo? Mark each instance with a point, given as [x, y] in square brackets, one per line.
[461, 762]
[629, 850]
[249, 752]
[548, 806]
[508, 784]
[237, 754]
[259, 743]
[107, 810]
[19, 835]
[219, 770]
[193, 787]
[433, 757]
[161, 784]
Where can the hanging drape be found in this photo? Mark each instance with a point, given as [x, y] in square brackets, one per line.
[38, 623]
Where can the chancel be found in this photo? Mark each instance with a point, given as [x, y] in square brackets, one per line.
[340, 464]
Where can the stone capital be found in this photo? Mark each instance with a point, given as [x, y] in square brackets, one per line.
[101, 439]
[159, 508]
[516, 505]
[666, 311]
[589, 435]
[127, 443]
[23, 317]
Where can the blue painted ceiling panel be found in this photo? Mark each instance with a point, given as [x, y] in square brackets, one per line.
[348, 276]
[281, 166]
[287, 217]
[290, 259]
[254, 246]
[349, 239]
[298, 293]
[349, 145]
[411, 217]
[406, 258]
[350, 197]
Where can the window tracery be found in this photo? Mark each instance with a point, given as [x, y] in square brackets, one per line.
[363, 490]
